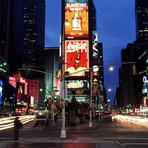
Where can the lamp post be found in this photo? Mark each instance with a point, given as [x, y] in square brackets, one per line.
[63, 130]
[91, 79]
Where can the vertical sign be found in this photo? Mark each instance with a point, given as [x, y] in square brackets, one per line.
[95, 44]
[1, 91]
[144, 101]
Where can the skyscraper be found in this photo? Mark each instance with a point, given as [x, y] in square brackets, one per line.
[141, 11]
[29, 30]
[5, 9]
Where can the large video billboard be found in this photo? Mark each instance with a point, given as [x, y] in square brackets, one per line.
[76, 57]
[77, 16]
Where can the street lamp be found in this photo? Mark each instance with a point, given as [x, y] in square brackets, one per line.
[63, 130]
[111, 68]
[109, 90]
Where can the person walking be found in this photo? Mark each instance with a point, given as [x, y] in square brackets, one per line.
[17, 125]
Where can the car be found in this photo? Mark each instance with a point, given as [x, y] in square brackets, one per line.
[41, 119]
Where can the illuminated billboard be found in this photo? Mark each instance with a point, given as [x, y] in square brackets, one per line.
[77, 16]
[144, 101]
[76, 57]
[95, 52]
[1, 91]
[76, 84]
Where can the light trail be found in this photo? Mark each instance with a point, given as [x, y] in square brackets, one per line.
[7, 123]
[133, 119]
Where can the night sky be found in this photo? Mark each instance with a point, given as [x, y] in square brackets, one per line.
[116, 27]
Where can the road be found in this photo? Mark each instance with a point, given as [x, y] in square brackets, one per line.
[113, 133]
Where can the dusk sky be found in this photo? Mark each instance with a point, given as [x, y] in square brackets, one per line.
[116, 27]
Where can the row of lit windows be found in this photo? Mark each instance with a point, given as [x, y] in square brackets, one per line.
[145, 22]
[28, 39]
[30, 21]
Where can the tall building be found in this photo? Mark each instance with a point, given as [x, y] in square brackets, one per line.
[141, 11]
[5, 11]
[29, 30]
[51, 67]
[131, 85]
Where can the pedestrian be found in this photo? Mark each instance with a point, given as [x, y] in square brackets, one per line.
[17, 125]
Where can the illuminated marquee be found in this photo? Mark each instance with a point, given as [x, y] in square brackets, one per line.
[77, 16]
[76, 57]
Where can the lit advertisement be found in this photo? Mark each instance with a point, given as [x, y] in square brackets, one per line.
[144, 101]
[13, 81]
[32, 101]
[76, 57]
[58, 82]
[95, 44]
[1, 91]
[77, 84]
[77, 16]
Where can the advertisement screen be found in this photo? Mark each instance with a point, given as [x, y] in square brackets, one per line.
[83, 84]
[76, 57]
[76, 14]
[95, 44]
[1, 91]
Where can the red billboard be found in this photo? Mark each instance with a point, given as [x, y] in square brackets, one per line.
[76, 57]
[13, 81]
[76, 14]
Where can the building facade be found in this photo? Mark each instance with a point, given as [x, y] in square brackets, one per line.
[28, 34]
[131, 86]
[141, 11]
[52, 69]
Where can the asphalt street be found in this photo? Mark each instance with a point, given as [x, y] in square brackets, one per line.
[103, 134]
